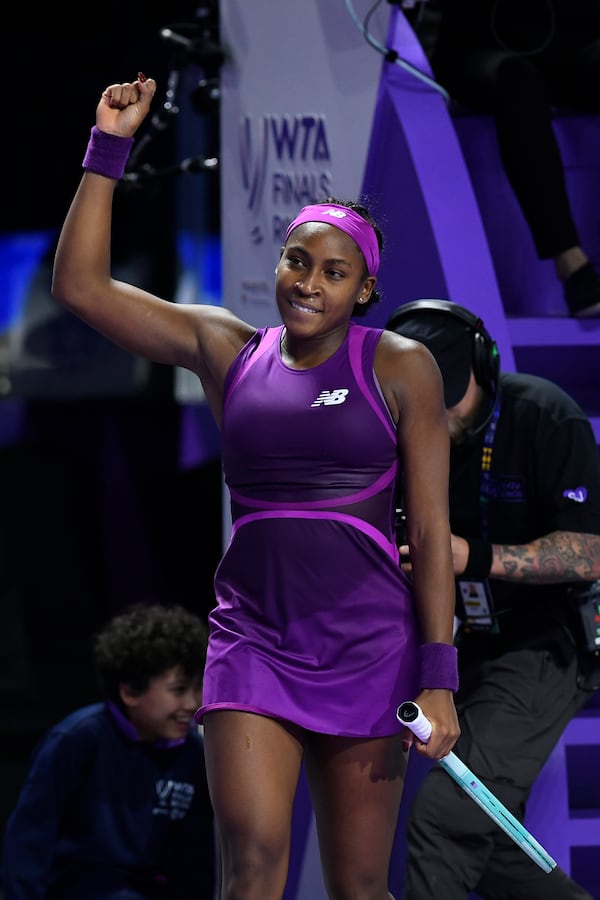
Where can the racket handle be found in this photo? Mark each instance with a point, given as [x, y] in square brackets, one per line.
[411, 715]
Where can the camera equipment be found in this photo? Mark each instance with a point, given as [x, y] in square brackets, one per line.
[588, 608]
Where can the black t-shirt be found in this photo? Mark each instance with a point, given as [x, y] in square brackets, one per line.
[544, 477]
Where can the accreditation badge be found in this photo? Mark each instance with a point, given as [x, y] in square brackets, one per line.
[477, 612]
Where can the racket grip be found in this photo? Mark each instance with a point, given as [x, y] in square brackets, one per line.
[411, 715]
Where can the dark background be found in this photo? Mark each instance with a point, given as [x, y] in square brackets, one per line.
[96, 509]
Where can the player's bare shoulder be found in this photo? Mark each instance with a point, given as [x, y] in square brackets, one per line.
[219, 336]
[398, 355]
[221, 321]
[405, 369]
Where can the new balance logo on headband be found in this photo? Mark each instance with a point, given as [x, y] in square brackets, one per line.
[331, 398]
[336, 213]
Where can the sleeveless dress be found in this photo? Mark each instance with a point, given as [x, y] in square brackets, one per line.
[315, 621]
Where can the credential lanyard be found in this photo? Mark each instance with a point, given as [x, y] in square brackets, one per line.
[477, 600]
[486, 465]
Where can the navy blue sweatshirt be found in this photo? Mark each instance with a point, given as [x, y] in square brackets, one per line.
[100, 811]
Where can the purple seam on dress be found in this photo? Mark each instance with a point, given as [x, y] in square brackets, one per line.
[232, 704]
[268, 338]
[240, 707]
[356, 342]
[384, 479]
[389, 547]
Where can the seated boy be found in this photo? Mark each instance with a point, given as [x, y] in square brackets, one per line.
[115, 802]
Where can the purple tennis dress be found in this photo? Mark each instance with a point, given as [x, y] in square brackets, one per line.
[315, 621]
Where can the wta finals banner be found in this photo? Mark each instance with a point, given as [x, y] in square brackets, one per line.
[298, 95]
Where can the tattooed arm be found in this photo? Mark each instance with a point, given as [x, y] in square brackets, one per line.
[556, 557]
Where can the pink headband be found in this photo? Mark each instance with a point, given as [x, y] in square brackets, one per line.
[346, 220]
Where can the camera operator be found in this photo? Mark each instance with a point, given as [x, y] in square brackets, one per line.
[524, 496]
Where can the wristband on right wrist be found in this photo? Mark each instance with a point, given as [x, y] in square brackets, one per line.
[438, 667]
[479, 563]
[107, 154]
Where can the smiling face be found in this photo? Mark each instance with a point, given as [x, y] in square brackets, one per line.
[320, 276]
[165, 710]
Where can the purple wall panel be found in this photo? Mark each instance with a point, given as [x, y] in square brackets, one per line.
[528, 285]
[420, 190]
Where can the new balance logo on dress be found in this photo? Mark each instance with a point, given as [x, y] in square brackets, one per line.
[331, 398]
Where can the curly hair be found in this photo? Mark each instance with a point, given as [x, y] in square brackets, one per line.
[143, 642]
[361, 309]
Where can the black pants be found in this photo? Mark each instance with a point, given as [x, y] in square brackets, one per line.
[512, 713]
[521, 92]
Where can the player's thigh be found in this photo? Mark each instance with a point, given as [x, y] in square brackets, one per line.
[253, 765]
[356, 786]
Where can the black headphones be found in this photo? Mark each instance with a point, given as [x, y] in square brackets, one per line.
[485, 360]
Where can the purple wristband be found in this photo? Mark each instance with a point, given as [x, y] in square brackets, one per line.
[107, 154]
[438, 667]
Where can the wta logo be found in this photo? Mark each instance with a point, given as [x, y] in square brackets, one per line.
[281, 162]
